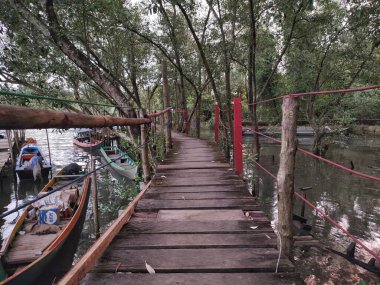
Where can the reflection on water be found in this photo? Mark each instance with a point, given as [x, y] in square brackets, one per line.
[63, 152]
[352, 201]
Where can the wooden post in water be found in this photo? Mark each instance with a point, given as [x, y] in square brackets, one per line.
[238, 137]
[144, 150]
[216, 123]
[166, 100]
[285, 176]
[94, 196]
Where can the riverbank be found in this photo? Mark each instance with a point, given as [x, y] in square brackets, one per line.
[366, 130]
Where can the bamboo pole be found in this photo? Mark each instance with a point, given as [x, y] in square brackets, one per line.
[15, 117]
[285, 176]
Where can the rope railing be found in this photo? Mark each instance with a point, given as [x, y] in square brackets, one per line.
[325, 92]
[55, 99]
[159, 113]
[357, 173]
[297, 195]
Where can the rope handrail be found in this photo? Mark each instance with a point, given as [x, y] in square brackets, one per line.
[297, 195]
[40, 97]
[357, 173]
[325, 92]
[159, 113]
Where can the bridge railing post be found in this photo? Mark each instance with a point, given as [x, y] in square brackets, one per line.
[238, 137]
[216, 123]
[285, 176]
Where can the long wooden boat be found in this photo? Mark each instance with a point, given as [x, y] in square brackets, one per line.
[41, 247]
[28, 150]
[123, 167]
[87, 139]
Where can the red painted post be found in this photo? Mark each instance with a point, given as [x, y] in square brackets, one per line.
[238, 137]
[216, 124]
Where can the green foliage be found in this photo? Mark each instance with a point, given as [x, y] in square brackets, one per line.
[118, 196]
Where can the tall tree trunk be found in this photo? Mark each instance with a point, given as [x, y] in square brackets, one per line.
[166, 99]
[252, 87]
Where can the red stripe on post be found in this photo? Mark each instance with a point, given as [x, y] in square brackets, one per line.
[216, 124]
[238, 137]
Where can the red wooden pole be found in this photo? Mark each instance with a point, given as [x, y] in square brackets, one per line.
[238, 137]
[216, 124]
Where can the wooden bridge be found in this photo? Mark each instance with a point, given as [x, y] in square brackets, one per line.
[196, 224]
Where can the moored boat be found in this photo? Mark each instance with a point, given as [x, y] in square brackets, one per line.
[28, 151]
[41, 247]
[87, 139]
[123, 167]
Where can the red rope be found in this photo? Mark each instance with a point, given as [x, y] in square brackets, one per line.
[266, 170]
[335, 91]
[159, 113]
[324, 215]
[351, 90]
[357, 173]
[337, 225]
[340, 166]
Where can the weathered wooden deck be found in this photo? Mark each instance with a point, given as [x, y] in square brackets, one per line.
[192, 227]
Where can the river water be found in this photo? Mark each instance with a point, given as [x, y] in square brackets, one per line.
[63, 152]
[350, 200]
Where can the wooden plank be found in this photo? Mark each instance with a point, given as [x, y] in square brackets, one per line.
[192, 165]
[196, 181]
[219, 173]
[198, 188]
[151, 205]
[192, 279]
[188, 241]
[200, 215]
[85, 263]
[210, 260]
[149, 227]
[197, 195]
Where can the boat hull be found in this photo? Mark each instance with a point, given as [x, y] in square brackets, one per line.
[120, 173]
[54, 263]
[27, 174]
[88, 146]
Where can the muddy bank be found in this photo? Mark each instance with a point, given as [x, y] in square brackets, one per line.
[366, 130]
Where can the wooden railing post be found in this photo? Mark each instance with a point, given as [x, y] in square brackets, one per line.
[238, 137]
[216, 123]
[285, 176]
[187, 123]
[144, 150]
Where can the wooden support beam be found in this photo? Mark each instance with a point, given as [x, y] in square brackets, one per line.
[285, 176]
[16, 117]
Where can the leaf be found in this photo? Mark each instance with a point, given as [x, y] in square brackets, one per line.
[268, 236]
[246, 214]
[254, 227]
[163, 176]
[149, 268]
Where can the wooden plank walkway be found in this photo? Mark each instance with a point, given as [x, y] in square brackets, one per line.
[192, 227]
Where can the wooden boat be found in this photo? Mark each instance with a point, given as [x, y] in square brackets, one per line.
[87, 139]
[122, 168]
[28, 150]
[29, 257]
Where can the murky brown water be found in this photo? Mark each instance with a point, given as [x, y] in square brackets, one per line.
[63, 152]
[352, 201]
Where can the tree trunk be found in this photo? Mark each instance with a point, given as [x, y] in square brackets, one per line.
[166, 100]
[285, 176]
[144, 150]
[252, 87]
